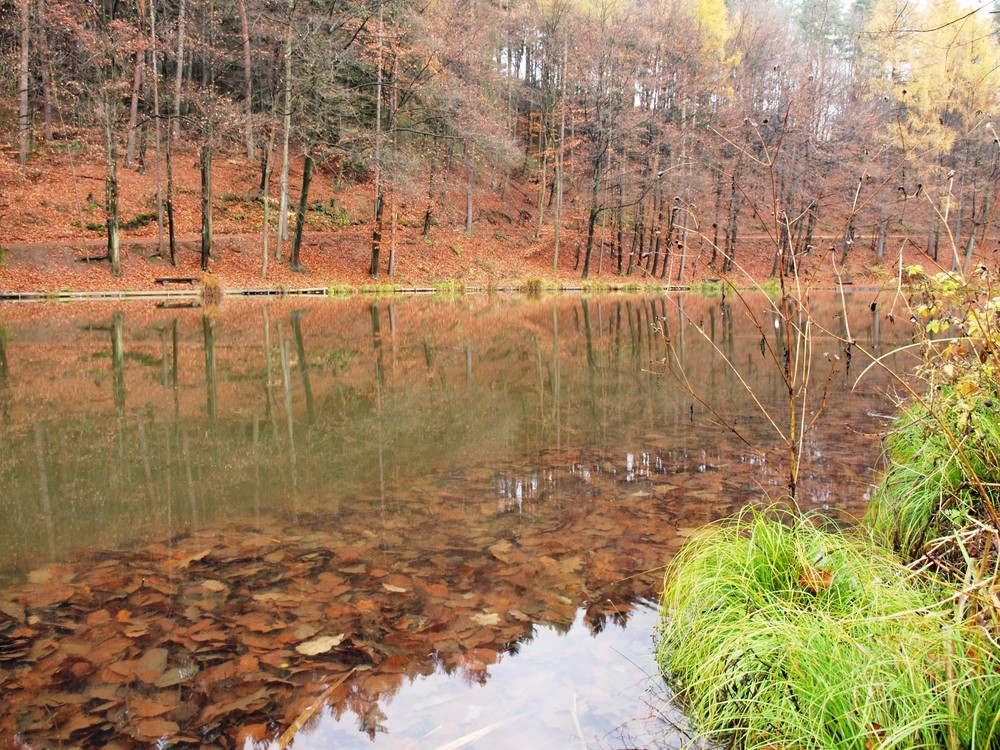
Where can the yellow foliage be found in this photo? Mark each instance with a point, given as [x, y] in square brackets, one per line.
[939, 64]
[712, 18]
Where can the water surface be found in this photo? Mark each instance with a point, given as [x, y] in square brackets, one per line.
[412, 523]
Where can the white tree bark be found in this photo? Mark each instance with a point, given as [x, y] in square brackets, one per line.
[156, 129]
[287, 117]
[179, 80]
[247, 89]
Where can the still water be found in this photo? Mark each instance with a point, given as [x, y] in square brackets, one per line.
[413, 523]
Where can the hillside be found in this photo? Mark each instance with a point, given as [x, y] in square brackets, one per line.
[51, 221]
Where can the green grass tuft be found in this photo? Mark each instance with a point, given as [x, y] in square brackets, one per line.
[771, 287]
[707, 288]
[533, 286]
[138, 221]
[377, 290]
[780, 634]
[340, 290]
[926, 491]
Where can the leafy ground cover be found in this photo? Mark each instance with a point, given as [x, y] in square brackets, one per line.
[52, 221]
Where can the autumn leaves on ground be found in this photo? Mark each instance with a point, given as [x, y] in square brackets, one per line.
[53, 220]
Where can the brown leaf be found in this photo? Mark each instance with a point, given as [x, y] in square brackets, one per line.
[148, 708]
[487, 618]
[151, 665]
[259, 622]
[77, 720]
[176, 676]
[12, 609]
[319, 645]
[46, 596]
[246, 704]
[106, 651]
[501, 550]
[184, 562]
[815, 580]
[251, 734]
[154, 729]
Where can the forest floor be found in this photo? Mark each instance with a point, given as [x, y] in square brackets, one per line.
[51, 221]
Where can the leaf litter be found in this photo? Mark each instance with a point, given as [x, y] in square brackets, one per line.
[219, 636]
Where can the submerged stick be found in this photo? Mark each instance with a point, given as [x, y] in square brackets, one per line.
[289, 734]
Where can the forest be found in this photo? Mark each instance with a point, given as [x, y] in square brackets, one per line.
[811, 127]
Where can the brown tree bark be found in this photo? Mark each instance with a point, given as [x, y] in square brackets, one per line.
[206, 204]
[133, 112]
[300, 214]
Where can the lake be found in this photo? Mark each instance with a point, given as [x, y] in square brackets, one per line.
[393, 523]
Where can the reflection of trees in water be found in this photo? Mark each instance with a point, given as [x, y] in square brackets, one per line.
[523, 380]
[5, 396]
[555, 438]
[208, 335]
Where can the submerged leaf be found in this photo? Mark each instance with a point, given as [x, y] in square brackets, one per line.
[320, 645]
[489, 618]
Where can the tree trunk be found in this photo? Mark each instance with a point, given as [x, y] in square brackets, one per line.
[470, 154]
[658, 234]
[208, 335]
[969, 247]
[429, 210]
[379, 196]
[734, 214]
[179, 78]
[783, 240]
[111, 186]
[559, 158]
[880, 243]
[266, 200]
[24, 114]
[620, 223]
[156, 125]
[377, 232]
[682, 246]
[636, 224]
[300, 213]
[247, 90]
[206, 205]
[287, 119]
[543, 180]
[595, 196]
[810, 228]
[43, 46]
[848, 241]
[668, 243]
[394, 221]
[715, 220]
[133, 111]
[170, 196]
